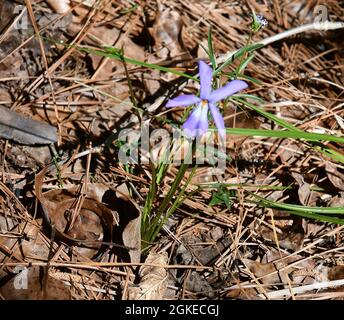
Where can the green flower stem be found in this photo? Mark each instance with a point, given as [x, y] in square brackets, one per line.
[156, 223]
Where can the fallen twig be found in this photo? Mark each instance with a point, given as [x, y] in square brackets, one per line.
[317, 26]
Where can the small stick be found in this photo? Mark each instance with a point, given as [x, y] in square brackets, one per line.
[319, 26]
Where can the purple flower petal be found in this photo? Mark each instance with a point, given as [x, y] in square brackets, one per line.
[205, 77]
[203, 121]
[183, 101]
[197, 123]
[227, 90]
[219, 121]
[191, 124]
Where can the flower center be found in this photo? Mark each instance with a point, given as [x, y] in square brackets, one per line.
[204, 103]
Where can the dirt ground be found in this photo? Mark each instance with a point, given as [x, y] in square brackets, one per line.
[71, 213]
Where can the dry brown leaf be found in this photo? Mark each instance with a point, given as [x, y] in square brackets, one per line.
[6, 13]
[290, 151]
[128, 231]
[267, 271]
[21, 247]
[108, 36]
[198, 284]
[103, 217]
[166, 32]
[337, 201]
[336, 273]
[336, 177]
[289, 230]
[168, 44]
[106, 68]
[281, 260]
[240, 120]
[201, 53]
[293, 237]
[274, 269]
[153, 279]
[243, 293]
[307, 196]
[132, 238]
[11, 67]
[88, 228]
[92, 226]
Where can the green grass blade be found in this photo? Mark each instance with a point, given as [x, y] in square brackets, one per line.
[176, 203]
[211, 49]
[147, 209]
[250, 96]
[267, 115]
[318, 217]
[237, 54]
[244, 64]
[115, 53]
[308, 136]
[211, 185]
[298, 208]
[330, 153]
[248, 78]
[109, 54]
[316, 144]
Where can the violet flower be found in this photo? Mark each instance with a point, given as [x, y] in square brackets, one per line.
[197, 123]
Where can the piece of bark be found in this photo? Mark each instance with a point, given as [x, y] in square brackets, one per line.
[15, 126]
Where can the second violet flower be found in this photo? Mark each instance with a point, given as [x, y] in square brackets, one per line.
[197, 123]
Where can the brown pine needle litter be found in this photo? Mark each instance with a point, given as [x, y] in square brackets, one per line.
[98, 228]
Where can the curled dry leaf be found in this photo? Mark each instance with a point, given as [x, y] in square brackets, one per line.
[153, 279]
[89, 227]
[106, 219]
[128, 231]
